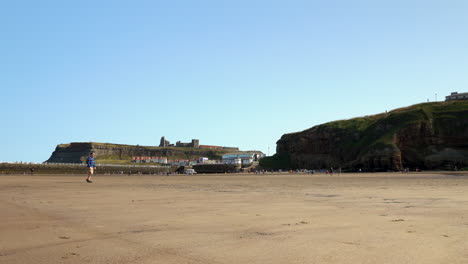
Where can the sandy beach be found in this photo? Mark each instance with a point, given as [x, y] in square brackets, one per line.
[272, 218]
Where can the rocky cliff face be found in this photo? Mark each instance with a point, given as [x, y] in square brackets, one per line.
[425, 136]
[71, 153]
[78, 152]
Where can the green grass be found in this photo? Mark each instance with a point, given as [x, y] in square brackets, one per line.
[114, 161]
[276, 162]
[378, 130]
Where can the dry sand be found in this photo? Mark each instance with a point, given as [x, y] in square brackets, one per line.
[287, 218]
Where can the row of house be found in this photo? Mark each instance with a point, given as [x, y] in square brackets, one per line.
[243, 159]
[143, 159]
[183, 162]
[164, 160]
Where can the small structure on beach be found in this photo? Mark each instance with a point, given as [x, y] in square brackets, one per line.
[245, 159]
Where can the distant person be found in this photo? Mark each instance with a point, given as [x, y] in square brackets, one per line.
[31, 170]
[91, 164]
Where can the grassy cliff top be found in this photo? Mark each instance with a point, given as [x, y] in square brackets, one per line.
[380, 129]
[405, 114]
[176, 149]
[113, 145]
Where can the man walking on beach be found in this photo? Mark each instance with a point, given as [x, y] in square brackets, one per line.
[91, 164]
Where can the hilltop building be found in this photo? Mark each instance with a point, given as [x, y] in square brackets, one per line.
[456, 96]
[194, 144]
[164, 142]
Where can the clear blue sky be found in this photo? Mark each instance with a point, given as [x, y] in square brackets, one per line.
[231, 73]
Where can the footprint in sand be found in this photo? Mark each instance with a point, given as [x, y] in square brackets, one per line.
[300, 223]
[69, 255]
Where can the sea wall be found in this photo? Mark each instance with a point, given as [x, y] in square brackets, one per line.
[63, 169]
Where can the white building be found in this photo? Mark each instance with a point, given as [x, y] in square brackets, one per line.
[235, 161]
[162, 160]
[245, 159]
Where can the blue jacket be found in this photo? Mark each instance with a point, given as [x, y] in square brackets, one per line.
[90, 162]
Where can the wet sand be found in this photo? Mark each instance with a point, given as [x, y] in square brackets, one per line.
[282, 218]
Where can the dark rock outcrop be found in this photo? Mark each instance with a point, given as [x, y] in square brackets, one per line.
[424, 136]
